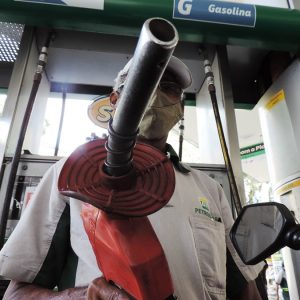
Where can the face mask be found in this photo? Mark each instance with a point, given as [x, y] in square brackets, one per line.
[160, 116]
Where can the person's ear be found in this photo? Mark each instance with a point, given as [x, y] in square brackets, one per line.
[113, 97]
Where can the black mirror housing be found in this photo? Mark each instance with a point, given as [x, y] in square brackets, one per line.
[262, 229]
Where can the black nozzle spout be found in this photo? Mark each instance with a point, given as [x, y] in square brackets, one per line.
[157, 41]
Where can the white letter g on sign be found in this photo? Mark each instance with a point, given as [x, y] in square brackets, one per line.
[184, 7]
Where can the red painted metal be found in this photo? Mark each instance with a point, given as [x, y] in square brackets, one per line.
[128, 253]
[146, 189]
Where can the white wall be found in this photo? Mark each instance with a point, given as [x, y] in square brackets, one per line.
[281, 126]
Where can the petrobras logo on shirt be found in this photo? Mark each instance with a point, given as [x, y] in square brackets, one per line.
[223, 12]
[203, 209]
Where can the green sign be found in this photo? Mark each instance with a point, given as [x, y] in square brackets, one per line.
[252, 150]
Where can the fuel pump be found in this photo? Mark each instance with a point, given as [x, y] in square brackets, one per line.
[121, 181]
[42, 61]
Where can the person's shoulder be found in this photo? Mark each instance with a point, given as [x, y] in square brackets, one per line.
[202, 180]
[58, 165]
[54, 170]
[204, 177]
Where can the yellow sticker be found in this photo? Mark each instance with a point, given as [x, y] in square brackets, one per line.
[275, 100]
[101, 112]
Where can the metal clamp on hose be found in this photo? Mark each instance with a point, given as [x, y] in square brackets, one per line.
[118, 162]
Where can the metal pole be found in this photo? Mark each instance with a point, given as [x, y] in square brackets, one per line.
[181, 134]
[62, 114]
[212, 92]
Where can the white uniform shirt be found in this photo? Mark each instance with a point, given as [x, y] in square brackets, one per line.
[192, 228]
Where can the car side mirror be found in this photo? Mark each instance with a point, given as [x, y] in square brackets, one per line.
[262, 229]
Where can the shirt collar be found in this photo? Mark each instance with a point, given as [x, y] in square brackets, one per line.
[175, 160]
